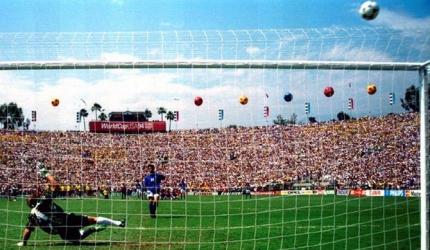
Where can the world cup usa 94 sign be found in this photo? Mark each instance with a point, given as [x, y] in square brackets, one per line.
[127, 127]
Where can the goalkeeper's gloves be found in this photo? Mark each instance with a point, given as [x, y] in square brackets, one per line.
[41, 170]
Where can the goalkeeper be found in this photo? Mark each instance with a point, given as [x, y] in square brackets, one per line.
[51, 218]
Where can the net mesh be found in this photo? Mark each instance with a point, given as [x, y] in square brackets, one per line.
[322, 172]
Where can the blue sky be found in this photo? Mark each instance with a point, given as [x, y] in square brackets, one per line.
[139, 15]
[308, 30]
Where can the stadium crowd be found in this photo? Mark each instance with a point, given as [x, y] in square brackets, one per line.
[368, 153]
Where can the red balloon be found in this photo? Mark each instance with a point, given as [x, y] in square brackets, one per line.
[328, 91]
[198, 101]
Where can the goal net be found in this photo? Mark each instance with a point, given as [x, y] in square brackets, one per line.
[267, 139]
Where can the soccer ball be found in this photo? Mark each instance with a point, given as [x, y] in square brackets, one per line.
[371, 89]
[243, 100]
[328, 91]
[198, 101]
[369, 10]
[55, 102]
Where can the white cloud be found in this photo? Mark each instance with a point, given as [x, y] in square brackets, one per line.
[413, 31]
[115, 56]
[253, 51]
[401, 22]
[346, 53]
[154, 52]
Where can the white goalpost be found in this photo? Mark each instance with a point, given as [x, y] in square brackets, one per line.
[424, 155]
[333, 170]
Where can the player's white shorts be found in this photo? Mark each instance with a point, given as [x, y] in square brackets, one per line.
[151, 194]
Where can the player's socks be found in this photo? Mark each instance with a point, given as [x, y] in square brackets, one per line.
[108, 222]
[155, 208]
[152, 208]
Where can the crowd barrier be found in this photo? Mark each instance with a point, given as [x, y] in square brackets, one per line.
[340, 192]
[379, 192]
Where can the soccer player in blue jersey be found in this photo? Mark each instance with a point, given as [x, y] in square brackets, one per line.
[152, 184]
[183, 187]
[52, 219]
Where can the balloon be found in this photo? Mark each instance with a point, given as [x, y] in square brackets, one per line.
[371, 89]
[328, 91]
[55, 102]
[288, 97]
[243, 100]
[198, 101]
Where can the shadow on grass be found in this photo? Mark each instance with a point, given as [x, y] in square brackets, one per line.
[82, 243]
[100, 244]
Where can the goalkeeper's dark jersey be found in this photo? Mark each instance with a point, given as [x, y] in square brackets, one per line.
[48, 216]
[52, 219]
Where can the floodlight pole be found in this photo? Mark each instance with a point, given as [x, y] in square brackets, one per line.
[424, 150]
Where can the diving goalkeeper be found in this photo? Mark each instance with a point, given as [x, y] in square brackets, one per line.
[52, 219]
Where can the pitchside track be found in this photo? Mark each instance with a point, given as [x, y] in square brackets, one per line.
[231, 222]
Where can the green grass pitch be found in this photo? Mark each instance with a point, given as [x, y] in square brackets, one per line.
[231, 222]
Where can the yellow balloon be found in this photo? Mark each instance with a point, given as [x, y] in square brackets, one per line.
[243, 100]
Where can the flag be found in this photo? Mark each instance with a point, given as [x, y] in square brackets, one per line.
[267, 95]
[350, 103]
[307, 107]
[392, 98]
[220, 114]
[78, 117]
[266, 111]
[176, 114]
[33, 116]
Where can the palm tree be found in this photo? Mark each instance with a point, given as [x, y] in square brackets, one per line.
[161, 111]
[103, 116]
[147, 113]
[96, 107]
[83, 113]
[170, 116]
[11, 116]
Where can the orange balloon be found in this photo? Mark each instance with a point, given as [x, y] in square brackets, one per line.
[371, 89]
[55, 102]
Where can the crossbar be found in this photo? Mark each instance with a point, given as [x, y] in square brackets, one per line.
[211, 64]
